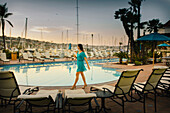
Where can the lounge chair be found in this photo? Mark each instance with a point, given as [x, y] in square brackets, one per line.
[29, 55]
[42, 54]
[9, 89]
[150, 86]
[87, 55]
[77, 98]
[3, 57]
[53, 54]
[44, 98]
[100, 53]
[68, 54]
[91, 54]
[123, 87]
[38, 56]
[62, 54]
[96, 53]
[25, 57]
[166, 60]
[111, 53]
[164, 84]
[47, 55]
[105, 53]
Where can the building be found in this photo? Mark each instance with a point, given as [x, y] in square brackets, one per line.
[166, 29]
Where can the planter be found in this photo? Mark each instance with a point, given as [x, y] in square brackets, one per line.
[13, 56]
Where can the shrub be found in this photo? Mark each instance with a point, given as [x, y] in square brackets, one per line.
[121, 55]
[138, 63]
[8, 54]
[142, 59]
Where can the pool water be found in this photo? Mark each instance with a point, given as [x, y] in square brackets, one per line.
[61, 73]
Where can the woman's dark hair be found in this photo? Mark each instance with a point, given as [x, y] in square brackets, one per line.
[81, 47]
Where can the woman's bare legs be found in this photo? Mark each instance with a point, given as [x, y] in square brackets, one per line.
[76, 80]
[84, 79]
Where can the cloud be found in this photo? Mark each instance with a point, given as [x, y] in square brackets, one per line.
[86, 33]
[50, 29]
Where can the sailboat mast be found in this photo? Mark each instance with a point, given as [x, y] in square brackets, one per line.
[26, 27]
[67, 36]
[25, 30]
[10, 38]
[77, 21]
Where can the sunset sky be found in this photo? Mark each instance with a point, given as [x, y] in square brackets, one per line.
[96, 16]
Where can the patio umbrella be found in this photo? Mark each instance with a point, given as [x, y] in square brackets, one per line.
[69, 46]
[154, 37]
[164, 45]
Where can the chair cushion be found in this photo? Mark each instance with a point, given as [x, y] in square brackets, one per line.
[41, 94]
[165, 81]
[78, 94]
[7, 60]
[111, 88]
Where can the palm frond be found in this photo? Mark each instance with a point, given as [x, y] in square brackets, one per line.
[10, 23]
[7, 14]
[3, 10]
[130, 3]
[5, 5]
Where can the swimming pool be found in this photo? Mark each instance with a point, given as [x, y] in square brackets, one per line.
[60, 73]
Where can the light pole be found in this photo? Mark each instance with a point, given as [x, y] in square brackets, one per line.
[86, 42]
[92, 40]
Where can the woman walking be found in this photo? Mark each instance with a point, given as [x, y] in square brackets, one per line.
[80, 66]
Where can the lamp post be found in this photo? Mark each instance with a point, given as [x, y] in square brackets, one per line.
[92, 40]
[86, 42]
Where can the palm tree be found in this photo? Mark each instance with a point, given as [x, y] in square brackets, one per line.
[132, 19]
[136, 5]
[143, 26]
[3, 16]
[154, 25]
[121, 55]
[128, 19]
[122, 15]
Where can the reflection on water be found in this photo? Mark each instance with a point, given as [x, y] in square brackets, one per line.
[38, 69]
[25, 70]
[60, 74]
[47, 68]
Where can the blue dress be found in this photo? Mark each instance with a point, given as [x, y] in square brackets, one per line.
[80, 62]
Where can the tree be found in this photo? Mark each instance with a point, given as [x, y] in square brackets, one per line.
[122, 15]
[3, 16]
[143, 26]
[121, 55]
[154, 25]
[136, 5]
[128, 19]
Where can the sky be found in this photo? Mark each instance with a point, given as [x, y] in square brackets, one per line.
[53, 17]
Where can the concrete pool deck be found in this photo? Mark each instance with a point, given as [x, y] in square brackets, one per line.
[163, 103]
[45, 61]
